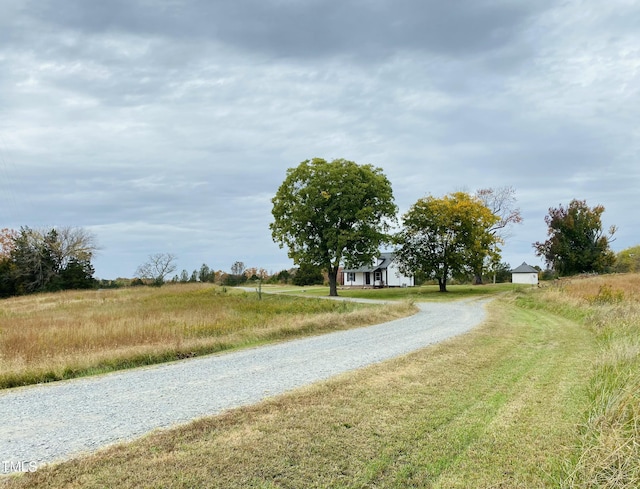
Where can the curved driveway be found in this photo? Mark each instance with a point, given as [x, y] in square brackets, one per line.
[51, 422]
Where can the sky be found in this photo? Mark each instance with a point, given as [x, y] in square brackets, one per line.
[167, 126]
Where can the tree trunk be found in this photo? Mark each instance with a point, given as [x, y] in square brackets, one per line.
[333, 281]
[477, 275]
[442, 283]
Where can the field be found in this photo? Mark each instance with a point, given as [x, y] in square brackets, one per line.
[546, 393]
[57, 336]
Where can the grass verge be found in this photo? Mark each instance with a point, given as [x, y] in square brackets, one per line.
[496, 407]
[609, 446]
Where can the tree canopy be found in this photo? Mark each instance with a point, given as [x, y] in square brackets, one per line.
[308, 275]
[628, 260]
[157, 267]
[577, 243]
[34, 260]
[330, 213]
[445, 237]
[501, 202]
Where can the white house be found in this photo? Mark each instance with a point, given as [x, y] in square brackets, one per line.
[383, 272]
[524, 274]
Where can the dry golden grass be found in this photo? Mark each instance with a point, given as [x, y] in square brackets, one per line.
[55, 336]
[588, 287]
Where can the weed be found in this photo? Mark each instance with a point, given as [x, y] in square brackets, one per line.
[606, 295]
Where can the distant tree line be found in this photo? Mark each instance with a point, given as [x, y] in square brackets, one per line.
[60, 258]
[158, 267]
[239, 275]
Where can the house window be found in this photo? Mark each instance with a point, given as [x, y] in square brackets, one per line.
[351, 276]
[377, 276]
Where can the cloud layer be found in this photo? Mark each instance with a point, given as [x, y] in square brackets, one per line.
[167, 126]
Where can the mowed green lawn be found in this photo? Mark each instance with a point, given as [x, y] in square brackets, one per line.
[501, 406]
[422, 293]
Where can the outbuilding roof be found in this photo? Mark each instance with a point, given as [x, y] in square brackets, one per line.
[524, 268]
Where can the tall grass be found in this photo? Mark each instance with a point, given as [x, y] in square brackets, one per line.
[610, 443]
[56, 336]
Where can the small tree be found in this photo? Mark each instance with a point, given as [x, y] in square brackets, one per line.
[576, 241]
[237, 275]
[157, 268]
[330, 213]
[206, 274]
[238, 268]
[628, 260]
[7, 242]
[78, 274]
[284, 276]
[8, 285]
[308, 275]
[501, 273]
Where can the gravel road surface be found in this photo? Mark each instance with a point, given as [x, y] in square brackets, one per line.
[52, 422]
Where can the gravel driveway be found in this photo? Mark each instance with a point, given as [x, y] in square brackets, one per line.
[52, 422]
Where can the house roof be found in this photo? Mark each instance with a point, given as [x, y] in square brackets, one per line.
[383, 262]
[524, 268]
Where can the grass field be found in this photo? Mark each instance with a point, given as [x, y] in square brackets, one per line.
[57, 336]
[544, 394]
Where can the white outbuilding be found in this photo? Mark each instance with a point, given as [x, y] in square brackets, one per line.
[524, 274]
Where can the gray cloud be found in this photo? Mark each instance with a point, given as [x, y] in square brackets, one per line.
[168, 125]
[303, 29]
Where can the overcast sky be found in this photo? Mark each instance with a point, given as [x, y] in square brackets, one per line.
[168, 125]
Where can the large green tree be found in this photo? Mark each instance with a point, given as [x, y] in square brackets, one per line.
[577, 243]
[333, 213]
[445, 237]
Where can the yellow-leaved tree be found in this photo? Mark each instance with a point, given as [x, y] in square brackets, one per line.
[445, 237]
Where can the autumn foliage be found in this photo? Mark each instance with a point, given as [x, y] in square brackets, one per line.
[448, 236]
